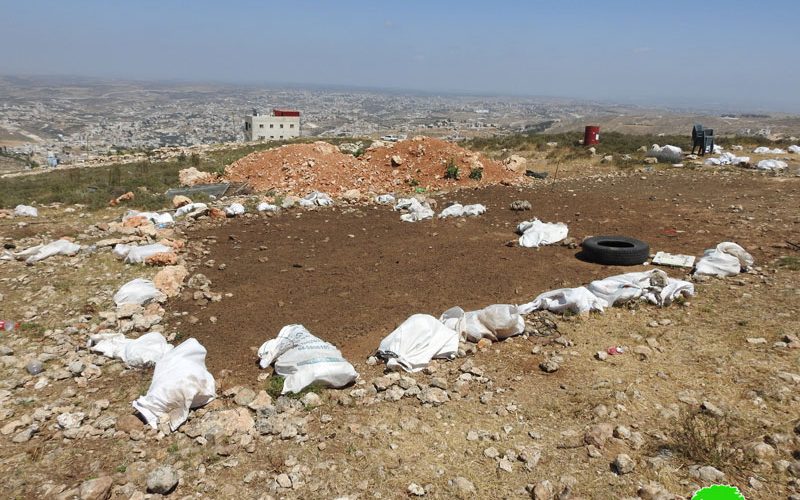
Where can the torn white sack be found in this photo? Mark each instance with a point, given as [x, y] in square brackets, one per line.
[25, 211]
[41, 252]
[794, 149]
[180, 382]
[139, 254]
[727, 259]
[771, 165]
[135, 353]
[763, 150]
[316, 198]
[154, 217]
[459, 210]
[416, 210]
[138, 291]
[654, 286]
[495, 322]
[384, 199]
[413, 344]
[191, 207]
[577, 300]
[267, 207]
[536, 233]
[303, 359]
[234, 209]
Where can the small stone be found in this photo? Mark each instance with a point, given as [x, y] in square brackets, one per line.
[162, 480]
[711, 409]
[549, 365]
[416, 490]
[622, 432]
[505, 465]
[710, 474]
[623, 464]
[491, 452]
[96, 489]
[284, 481]
[245, 396]
[372, 361]
[128, 423]
[311, 400]
[462, 487]
[34, 367]
[598, 434]
[543, 490]
[601, 355]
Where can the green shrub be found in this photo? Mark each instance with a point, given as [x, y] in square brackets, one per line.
[476, 173]
[451, 170]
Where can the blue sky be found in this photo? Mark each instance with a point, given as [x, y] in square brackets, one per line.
[741, 55]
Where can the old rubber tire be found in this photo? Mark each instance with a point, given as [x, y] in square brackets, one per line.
[615, 250]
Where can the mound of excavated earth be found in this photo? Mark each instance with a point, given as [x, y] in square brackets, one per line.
[422, 161]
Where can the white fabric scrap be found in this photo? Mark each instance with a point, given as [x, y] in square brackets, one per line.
[771, 165]
[180, 382]
[139, 254]
[385, 199]
[536, 233]
[316, 198]
[763, 150]
[413, 344]
[577, 300]
[40, 252]
[303, 359]
[154, 217]
[727, 259]
[136, 353]
[794, 149]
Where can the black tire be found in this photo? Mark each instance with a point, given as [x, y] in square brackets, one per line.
[615, 250]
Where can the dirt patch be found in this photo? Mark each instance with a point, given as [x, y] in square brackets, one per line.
[419, 162]
[352, 275]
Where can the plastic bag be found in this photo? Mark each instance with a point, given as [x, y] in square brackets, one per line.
[234, 209]
[495, 322]
[154, 217]
[384, 199]
[303, 359]
[577, 300]
[763, 150]
[536, 233]
[138, 291]
[413, 344]
[136, 353]
[25, 211]
[180, 382]
[771, 165]
[41, 252]
[794, 149]
[727, 259]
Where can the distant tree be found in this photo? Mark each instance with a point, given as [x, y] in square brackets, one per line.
[182, 157]
[194, 160]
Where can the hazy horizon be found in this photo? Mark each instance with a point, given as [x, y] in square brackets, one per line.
[678, 56]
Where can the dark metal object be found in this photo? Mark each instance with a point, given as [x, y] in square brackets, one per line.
[702, 139]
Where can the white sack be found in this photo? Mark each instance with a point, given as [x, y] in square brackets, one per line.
[654, 286]
[712, 161]
[191, 207]
[316, 198]
[121, 250]
[154, 217]
[771, 165]
[234, 209]
[136, 353]
[671, 149]
[416, 210]
[41, 252]
[578, 300]
[303, 359]
[794, 149]
[717, 149]
[384, 199]
[139, 254]
[536, 233]
[763, 150]
[495, 322]
[459, 210]
[727, 259]
[25, 211]
[266, 207]
[138, 291]
[180, 382]
[413, 344]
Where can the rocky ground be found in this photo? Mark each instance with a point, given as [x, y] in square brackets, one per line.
[705, 391]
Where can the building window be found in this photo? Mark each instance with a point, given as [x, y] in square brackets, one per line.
[271, 125]
[260, 125]
[291, 125]
[281, 125]
[281, 137]
[261, 137]
[272, 137]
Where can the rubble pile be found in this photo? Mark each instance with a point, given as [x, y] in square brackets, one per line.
[421, 161]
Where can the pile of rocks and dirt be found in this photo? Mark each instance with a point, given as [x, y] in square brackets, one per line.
[421, 161]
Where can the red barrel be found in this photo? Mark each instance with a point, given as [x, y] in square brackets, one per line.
[591, 135]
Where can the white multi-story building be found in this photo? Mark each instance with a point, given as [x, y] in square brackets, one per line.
[278, 125]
